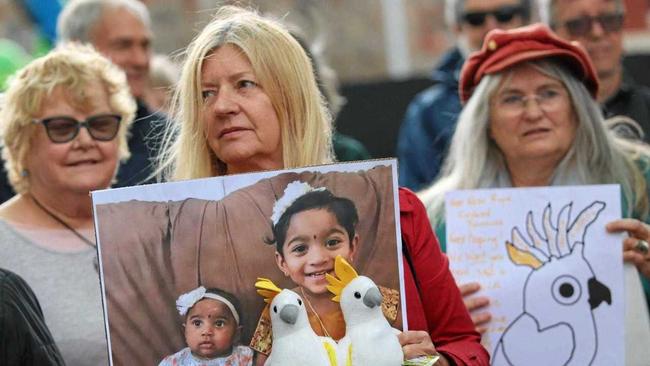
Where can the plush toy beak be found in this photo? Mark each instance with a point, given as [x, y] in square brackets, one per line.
[372, 298]
[289, 313]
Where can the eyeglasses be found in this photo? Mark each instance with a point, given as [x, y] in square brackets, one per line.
[502, 14]
[580, 27]
[548, 99]
[61, 129]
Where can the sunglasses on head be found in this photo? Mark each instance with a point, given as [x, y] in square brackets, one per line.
[503, 14]
[580, 27]
[61, 129]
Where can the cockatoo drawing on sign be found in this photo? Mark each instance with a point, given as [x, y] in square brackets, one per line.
[294, 342]
[369, 339]
[559, 294]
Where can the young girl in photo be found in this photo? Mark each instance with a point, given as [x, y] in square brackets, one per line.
[311, 226]
[212, 328]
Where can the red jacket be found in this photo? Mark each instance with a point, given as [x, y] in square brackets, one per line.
[433, 301]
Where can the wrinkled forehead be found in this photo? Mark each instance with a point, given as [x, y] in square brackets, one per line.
[566, 9]
[527, 75]
[482, 5]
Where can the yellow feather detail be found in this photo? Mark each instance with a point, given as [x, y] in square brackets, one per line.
[335, 286]
[331, 353]
[267, 289]
[344, 271]
[522, 257]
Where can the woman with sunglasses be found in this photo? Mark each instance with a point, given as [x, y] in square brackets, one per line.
[530, 119]
[64, 123]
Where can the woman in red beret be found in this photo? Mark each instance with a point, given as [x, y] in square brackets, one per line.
[530, 119]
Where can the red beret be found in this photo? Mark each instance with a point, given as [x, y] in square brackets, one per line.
[502, 49]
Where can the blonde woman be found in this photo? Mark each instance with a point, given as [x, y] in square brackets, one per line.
[276, 72]
[248, 101]
[64, 124]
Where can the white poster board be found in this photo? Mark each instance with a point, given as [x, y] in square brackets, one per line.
[552, 272]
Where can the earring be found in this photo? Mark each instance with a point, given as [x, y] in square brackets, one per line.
[24, 173]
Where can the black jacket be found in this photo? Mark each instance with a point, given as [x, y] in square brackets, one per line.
[24, 336]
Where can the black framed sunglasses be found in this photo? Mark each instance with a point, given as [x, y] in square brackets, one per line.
[580, 27]
[62, 129]
[502, 14]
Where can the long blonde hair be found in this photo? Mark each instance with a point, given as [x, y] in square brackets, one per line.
[284, 73]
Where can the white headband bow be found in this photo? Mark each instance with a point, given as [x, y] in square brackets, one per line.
[187, 300]
[292, 192]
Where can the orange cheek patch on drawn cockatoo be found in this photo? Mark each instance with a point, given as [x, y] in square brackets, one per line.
[294, 342]
[559, 294]
[369, 339]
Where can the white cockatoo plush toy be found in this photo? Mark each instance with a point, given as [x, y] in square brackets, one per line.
[369, 339]
[294, 342]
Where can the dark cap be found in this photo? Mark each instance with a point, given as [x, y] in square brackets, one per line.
[503, 49]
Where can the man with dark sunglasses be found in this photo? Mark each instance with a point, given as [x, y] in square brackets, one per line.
[598, 26]
[430, 120]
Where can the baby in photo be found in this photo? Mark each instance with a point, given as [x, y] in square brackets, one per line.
[212, 327]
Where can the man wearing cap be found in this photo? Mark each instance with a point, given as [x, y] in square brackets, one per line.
[431, 117]
[598, 26]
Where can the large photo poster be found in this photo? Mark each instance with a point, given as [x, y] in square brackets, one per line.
[553, 274]
[162, 244]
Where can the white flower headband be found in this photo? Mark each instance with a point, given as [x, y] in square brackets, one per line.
[292, 192]
[187, 300]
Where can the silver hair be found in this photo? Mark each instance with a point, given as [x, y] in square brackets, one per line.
[454, 11]
[595, 157]
[546, 10]
[79, 17]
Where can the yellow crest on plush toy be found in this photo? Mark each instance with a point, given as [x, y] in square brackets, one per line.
[267, 289]
[345, 273]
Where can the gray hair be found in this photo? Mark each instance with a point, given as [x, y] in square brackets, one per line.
[79, 17]
[454, 11]
[595, 157]
[546, 10]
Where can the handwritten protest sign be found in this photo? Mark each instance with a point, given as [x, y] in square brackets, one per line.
[552, 272]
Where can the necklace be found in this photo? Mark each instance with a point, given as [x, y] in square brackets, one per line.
[315, 313]
[65, 224]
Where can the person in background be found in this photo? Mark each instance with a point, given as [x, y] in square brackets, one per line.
[121, 31]
[64, 124]
[346, 148]
[598, 26]
[163, 76]
[431, 116]
[530, 119]
[256, 111]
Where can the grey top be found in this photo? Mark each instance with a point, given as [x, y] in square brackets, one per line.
[67, 287]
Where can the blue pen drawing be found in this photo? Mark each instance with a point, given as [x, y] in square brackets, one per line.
[557, 324]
